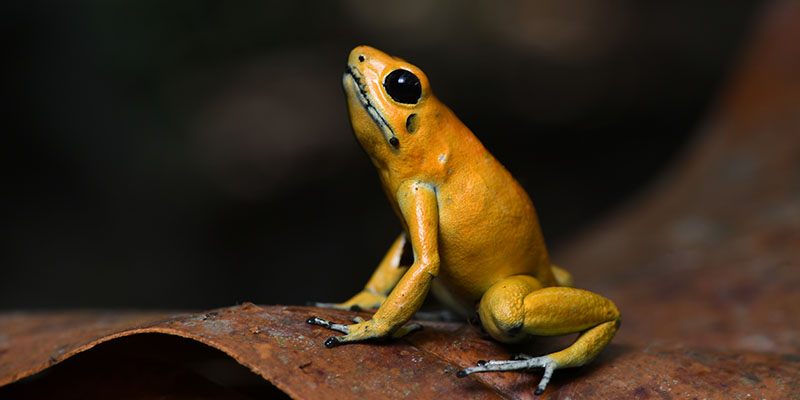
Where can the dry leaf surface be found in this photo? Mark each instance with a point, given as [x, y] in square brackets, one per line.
[276, 343]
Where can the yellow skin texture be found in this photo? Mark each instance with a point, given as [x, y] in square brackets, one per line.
[472, 228]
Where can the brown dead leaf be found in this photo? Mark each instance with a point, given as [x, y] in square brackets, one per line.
[276, 343]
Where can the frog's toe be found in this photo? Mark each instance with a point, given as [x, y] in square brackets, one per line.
[545, 362]
[328, 324]
[332, 341]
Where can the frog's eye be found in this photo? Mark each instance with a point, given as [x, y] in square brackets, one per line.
[403, 86]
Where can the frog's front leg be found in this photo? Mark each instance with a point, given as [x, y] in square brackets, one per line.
[418, 206]
[382, 282]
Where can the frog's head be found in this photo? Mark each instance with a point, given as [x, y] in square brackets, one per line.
[390, 102]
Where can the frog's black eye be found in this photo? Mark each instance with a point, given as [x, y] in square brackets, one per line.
[403, 86]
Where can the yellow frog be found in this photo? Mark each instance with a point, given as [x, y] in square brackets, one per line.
[472, 228]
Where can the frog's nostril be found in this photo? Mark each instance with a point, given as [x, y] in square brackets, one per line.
[361, 58]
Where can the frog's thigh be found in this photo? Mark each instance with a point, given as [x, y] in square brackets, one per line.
[502, 307]
[550, 311]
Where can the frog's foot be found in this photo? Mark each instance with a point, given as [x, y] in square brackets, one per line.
[363, 300]
[360, 331]
[521, 362]
[404, 330]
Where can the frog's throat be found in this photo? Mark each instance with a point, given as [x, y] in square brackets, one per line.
[360, 89]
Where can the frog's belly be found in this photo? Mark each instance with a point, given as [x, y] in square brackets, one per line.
[467, 272]
[479, 246]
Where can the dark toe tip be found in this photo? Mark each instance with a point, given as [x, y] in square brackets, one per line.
[538, 391]
[355, 307]
[481, 363]
[461, 374]
[331, 342]
[310, 321]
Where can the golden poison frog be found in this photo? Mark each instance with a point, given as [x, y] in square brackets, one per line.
[472, 229]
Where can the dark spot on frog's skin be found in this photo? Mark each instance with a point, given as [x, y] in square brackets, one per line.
[461, 374]
[355, 307]
[394, 142]
[360, 58]
[412, 123]
[332, 342]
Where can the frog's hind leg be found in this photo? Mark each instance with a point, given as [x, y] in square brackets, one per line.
[518, 307]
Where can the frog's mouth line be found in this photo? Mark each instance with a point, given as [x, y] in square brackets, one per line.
[360, 89]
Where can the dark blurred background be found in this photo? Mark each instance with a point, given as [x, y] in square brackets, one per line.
[196, 154]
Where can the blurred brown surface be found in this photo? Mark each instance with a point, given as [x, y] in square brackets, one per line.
[704, 268]
[711, 255]
[171, 155]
